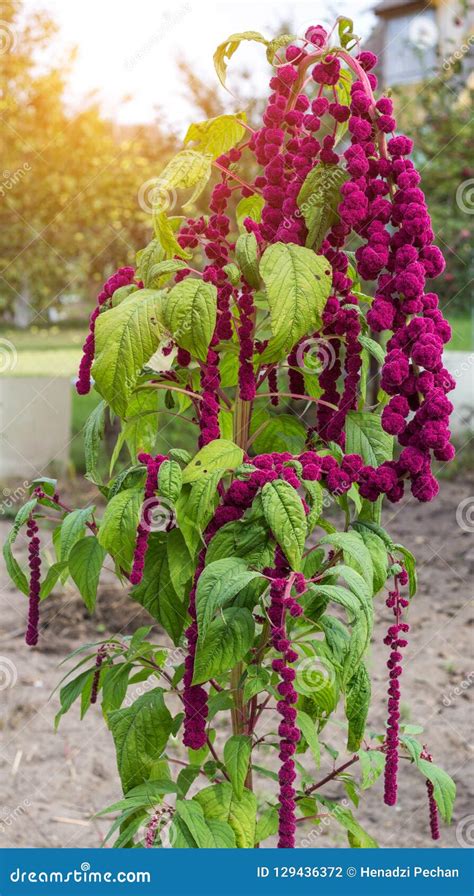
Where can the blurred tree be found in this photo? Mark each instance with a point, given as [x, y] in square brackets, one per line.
[439, 115]
[69, 209]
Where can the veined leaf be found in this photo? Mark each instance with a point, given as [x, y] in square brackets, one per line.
[226, 50]
[220, 803]
[185, 170]
[165, 229]
[357, 706]
[365, 436]
[221, 454]
[126, 337]
[189, 313]
[286, 518]
[117, 533]
[140, 733]
[13, 568]
[146, 258]
[318, 200]
[93, 435]
[225, 643]
[157, 593]
[237, 752]
[372, 764]
[298, 283]
[170, 479]
[218, 583]
[246, 253]
[249, 207]
[85, 563]
[216, 136]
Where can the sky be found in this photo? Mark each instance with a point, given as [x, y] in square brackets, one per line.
[127, 51]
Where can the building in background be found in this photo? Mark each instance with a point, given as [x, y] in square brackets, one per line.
[413, 38]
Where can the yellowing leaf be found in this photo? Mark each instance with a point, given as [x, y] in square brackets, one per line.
[226, 50]
[164, 228]
[216, 136]
[187, 169]
[249, 207]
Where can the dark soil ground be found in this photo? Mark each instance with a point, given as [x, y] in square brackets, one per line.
[52, 784]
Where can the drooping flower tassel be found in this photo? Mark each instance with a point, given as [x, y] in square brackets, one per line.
[395, 641]
[194, 696]
[100, 657]
[209, 406]
[122, 277]
[34, 562]
[150, 502]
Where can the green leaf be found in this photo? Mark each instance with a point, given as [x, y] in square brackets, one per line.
[355, 553]
[221, 454]
[409, 563]
[126, 337]
[139, 429]
[72, 530]
[164, 227]
[237, 751]
[13, 568]
[226, 50]
[372, 764]
[256, 680]
[117, 533]
[246, 539]
[378, 553]
[318, 200]
[196, 506]
[186, 169]
[316, 495]
[192, 815]
[146, 259]
[281, 433]
[85, 563]
[298, 283]
[54, 573]
[249, 207]
[358, 838]
[157, 593]
[189, 314]
[226, 642]
[365, 436]
[216, 136]
[444, 788]
[373, 347]
[186, 778]
[160, 273]
[169, 480]
[246, 253]
[140, 733]
[218, 584]
[267, 824]
[308, 730]
[71, 691]
[114, 686]
[286, 518]
[220, 803]
[357, 706]
[93, 435]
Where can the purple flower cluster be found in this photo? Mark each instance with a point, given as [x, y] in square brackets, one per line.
[150, 501]
[34, 562]
[209, 404]
[100, 657]
[432, 807]
[122, 277]
[282, 602]
[395, 640]
[151, 829]
[247, 388]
